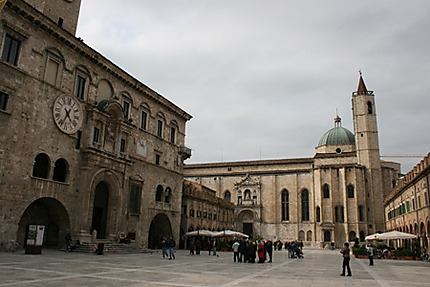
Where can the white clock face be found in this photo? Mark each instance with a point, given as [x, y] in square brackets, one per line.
[67, 114]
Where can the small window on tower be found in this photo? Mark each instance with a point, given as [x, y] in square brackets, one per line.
[369, 107]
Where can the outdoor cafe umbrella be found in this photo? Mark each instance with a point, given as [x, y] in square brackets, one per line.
[202, 232]
[392, 235]
[229, 233]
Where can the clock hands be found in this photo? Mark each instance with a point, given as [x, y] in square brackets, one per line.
[67, 114]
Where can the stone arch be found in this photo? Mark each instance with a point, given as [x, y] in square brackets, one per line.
[309, 235]
[246, 219]
[49, 212]
[41, 166]
[105, 90]
[159, 193]
[227, 195]
[160, 227]
[326, 191]
[61, 170]
[301, 235]
[114, 201]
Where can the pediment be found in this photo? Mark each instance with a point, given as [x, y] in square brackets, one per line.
[248, 181]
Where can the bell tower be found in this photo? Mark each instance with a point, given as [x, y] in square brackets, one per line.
[367, 146]
[63, 12]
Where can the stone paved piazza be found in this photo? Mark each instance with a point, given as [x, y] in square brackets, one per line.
[319, 268]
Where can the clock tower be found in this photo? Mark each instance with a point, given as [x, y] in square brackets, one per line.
[63, 12]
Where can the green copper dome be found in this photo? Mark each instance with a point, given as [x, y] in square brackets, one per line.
[337, 136]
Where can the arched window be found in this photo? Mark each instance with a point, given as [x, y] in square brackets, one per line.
[285, 205]
[350, 190]
[41, 166]
[305, 205]
[327, 236]
[227, 196]
[301, 235]
[326, 191]
[168, 195]
[318, 211]
[159, 193]
[369, 107]
[60, 170]
[309, 236]
[352, 236]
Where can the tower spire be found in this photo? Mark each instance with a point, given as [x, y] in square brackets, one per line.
[361, 90]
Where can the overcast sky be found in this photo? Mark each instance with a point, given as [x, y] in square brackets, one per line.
[263, 79]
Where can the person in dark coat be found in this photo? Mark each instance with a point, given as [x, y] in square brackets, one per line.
[345, 251]
[269, 249]
[242, 251]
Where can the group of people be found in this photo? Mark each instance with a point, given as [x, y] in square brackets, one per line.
[168, 244]
[69, 246]
[247, 251]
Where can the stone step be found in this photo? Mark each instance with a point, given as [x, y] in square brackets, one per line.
[113, 247]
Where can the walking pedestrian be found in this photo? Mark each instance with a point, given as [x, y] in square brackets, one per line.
[345, 251]
[164, 244]
[172, 245]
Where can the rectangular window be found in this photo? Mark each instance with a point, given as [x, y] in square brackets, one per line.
[10, 50]
[172, 134]
[160, 128]
[96, 134]
[143, 119]
[199, 213]
[426, 198]
[215, 216]
[135, 198]
[78, 140]
[191, 212]
[413, 203]
[157, 159]
[80, 87]
[407, 206]
[126, 109]
[3, 101]
[419, 201]
[122, 145]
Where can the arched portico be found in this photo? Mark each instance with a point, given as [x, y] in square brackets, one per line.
[245, 222]
[160, 227]
[48, 212]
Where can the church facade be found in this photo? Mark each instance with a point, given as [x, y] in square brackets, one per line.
[85, 148]
[333, 197]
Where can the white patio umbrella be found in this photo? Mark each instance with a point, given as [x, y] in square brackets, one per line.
[392, 235]
[202, 232]
[229, 233]
[373, 236]
[396, 235]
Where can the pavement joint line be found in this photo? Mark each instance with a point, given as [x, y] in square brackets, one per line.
[243, 279]
[378, 279]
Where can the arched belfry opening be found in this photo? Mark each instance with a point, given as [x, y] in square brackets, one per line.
[48, 212]
[160, 227]
[100, 210]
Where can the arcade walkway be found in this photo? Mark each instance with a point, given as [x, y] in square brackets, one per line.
[319, 268]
